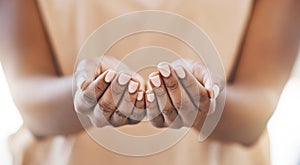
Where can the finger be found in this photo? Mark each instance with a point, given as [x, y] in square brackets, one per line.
[139, 111]
[197, 93]
[86, 99]
[179, 97]
[112, 96]
[164, 102]
[124, 109]
[202, 75]
[102, 82]
[85, 72]
[153, 113]
[97, 118]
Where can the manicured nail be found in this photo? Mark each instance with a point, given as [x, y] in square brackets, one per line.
[124, 79]
[110, 76]
[216, 90]
[164, 69]
[150, 97]
[140, 96]
[155, 80]
[133, 86]
[180, 72]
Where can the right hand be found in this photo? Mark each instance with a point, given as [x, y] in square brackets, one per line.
[108, 97]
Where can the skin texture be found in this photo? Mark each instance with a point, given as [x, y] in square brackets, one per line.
[271, 46]
[108, 97]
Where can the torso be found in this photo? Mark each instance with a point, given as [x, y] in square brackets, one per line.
[69, 23]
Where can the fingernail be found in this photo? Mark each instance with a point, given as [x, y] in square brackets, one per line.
[216, 90]
[150, 97]
[110, 76]
[180, 72]
[140, 96]
[155, 80]
[132, 87]
[164, 69]
[123, 79]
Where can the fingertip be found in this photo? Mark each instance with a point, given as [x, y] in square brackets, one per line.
[110, 75]
[124, 78]
[155, 80]
[180, 72]
[133, 86]
[140, 96]
[150, 96]
[164, 69]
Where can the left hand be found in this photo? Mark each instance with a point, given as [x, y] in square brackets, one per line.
[177, 97]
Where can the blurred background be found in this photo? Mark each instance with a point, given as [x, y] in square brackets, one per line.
[284, 126]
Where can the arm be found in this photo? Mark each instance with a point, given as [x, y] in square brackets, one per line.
[43, 98]
[266, 61]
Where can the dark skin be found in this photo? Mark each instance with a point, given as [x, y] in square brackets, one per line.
[267, 57]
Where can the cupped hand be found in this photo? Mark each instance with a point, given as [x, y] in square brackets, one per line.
[106, 96]
[179, 96]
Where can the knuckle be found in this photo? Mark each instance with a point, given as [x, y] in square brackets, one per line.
[124, 113]
[120, 114]
[168, 111]
[100, 87]
[203, 94]
[159, 92]
[172, 85]
[106, 106]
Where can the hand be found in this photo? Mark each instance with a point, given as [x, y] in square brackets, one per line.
[108, 97]
[177, 97]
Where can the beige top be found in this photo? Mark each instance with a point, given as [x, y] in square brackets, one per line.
[70, 22]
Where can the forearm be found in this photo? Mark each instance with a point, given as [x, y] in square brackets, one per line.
[267, 57]
[246, 113]
[46, 105]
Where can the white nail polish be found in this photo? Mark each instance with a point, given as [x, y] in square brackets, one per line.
[123, 79]
[132, 87]
[150, 97]
[180, 72]
[110, 76]
[216, 90]
[155, 80]
[164, 69]
[140, 96]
